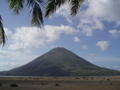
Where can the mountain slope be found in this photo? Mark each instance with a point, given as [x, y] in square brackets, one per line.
[60, 62]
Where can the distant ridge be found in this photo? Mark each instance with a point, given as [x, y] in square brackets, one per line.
[60, 62]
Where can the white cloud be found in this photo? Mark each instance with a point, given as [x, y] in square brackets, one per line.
[76, 39]
[65, 12]
[92, 15]
[8, 32]
[85, 47]
[103, 45]
[88, 24]
[5, 66]
[10, 59]
[107, 9]
[87, 31]
[114, 32]
[33, 37]
[92, 55]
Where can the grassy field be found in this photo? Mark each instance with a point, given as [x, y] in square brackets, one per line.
[60, 83]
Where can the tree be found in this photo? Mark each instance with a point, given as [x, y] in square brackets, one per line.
[2, 33]
[37, 11]
[53, 5]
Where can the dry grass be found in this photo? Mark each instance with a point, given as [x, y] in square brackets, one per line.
[60, 83]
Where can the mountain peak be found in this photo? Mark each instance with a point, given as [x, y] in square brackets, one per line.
[59, 48]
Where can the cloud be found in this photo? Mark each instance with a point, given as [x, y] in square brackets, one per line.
[92, 55]
[92, 15]
[85, 47]
[107, 9]
[34, 37]
[87, 31]
[88, 24]
[65, 12]
[4, 65]
[103, 45]
[76, 39]
[10, 59]
[114, 32]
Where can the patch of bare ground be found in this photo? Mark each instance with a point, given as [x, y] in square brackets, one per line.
[60, 83]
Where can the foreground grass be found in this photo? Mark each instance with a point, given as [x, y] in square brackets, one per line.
[60, 83]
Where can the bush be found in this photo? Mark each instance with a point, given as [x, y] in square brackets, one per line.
[57, 84]
[0, 84]
[108, 79]
[14, 85]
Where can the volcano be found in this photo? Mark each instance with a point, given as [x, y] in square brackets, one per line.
[60, 62]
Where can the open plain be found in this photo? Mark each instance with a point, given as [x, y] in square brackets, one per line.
[60, 83]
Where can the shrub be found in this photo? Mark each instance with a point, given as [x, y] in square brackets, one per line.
[0, 84]
[14, 85]
[57, 84]
[108, 79]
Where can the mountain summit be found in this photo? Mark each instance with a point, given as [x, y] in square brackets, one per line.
[60, 62]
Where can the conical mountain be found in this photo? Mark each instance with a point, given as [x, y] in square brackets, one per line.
[60, 62]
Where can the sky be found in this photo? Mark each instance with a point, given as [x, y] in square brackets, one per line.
[94, 34]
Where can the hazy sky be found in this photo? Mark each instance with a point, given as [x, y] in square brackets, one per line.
[93, 34]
